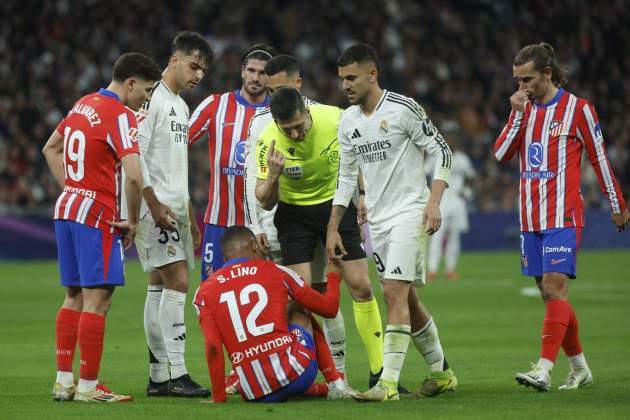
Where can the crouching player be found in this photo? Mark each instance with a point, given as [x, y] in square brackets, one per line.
[245, 306]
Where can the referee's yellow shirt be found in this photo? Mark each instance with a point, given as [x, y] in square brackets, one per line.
[310, 165]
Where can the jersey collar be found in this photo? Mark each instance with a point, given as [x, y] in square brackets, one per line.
[243, 101]
[109, 93]
[553, 100]
[234, 261]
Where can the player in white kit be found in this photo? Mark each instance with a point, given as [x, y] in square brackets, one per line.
[454, 214]
[168, 230]
[385, 135]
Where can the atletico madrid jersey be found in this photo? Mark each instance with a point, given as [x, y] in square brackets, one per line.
[97, 132]
[246, 301]
[549, 140]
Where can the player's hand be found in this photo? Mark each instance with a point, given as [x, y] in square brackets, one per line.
[275, 161]
[361, 210]
[518, 100]
[127, 231]
[431, 218]
[334, 266]
[196, 234]
[163, 216]
[621, 220]
[334, 242]
[263, 244]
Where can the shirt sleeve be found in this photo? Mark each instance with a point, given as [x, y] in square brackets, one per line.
[426, 136]
[509, 141]
[201, 119]
[348, 168]
[214, 354]
[326, 305]
[590, 134]
[261, 158]
[254, 209]
[122, 136]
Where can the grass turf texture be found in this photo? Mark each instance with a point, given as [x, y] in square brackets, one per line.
[489, 330]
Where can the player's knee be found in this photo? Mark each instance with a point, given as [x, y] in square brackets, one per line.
[361, 292]
[394, 294]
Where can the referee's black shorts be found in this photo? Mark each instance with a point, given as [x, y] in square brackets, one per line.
[301, 227]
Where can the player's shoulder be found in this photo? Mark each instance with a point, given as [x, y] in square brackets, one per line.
[396, 102]
[261, 118]
[327, 113]
[290, 274]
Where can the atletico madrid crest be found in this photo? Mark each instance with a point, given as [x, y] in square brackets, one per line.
[555, 128]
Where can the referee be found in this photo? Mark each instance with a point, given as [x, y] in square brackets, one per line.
[297, 158]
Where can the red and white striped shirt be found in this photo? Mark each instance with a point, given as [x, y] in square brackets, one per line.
[225, 118]
[549, 140]
[243, 306]
[98, 131]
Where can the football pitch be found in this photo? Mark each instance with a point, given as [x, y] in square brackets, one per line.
[489, 323]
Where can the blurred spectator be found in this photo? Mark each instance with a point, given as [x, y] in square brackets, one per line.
[454, 57]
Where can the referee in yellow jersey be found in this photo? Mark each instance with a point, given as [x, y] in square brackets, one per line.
[297, 157]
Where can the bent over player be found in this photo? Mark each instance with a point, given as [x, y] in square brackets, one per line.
[549, 128]
[386, 134]
[244, 307]
[85, 154]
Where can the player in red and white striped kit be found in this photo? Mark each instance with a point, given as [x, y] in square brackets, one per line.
[549, 128]
[85, 154]
[274, 351]
[225, 119]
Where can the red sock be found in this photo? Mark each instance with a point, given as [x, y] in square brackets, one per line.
[554, 328]
[571, 343]
[66, 333]
[324, 358]
[91, 332]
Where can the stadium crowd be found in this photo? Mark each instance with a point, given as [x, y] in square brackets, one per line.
[454, 57]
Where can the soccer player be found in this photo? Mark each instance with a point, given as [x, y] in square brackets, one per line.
[168, 231]
[283, 71]
[298, 160]
[225, 118]
[454, 214]
[245, 307]
[549, 128]
[85, 153]
[386, 135]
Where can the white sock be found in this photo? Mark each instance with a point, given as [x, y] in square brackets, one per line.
[85, 385]
[427, 342]
[545, 364]
[173, 329]
[158, 359]
[335, 332]
[65, 378]
[578, 361]
[395, 346]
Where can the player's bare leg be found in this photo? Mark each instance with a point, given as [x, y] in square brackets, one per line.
[172, 323]
[396, 342]
[426, 339]
[560, 328]
[66, 332]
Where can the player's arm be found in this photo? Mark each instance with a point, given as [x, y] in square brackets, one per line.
[53, 151]
[267, 184]
[327, 304]
[508, 142]
[133, 184]
[200, 119]
[346, 184]
[214, 355]
[253, 208]
[590, 133]
[426, 136]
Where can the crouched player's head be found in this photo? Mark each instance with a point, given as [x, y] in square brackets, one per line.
[239, 242]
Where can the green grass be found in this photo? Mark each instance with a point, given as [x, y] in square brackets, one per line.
[488, 330]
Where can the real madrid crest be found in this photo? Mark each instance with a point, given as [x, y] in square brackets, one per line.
[382, 128]
[170, 251]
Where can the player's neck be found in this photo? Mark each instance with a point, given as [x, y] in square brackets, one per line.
[253, 99]
[171, 82]
[371, 101]
[119, 90]
[550, 93]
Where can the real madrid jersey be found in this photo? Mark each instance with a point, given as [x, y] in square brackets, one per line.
[311, 165]
[163, 138]
[389, 147]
